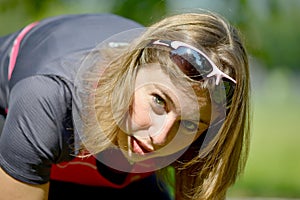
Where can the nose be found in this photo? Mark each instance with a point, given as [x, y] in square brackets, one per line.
[161, 129]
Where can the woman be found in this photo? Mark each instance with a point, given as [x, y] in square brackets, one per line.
[171, 99]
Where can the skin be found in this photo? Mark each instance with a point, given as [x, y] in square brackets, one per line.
[164, 118]
[14, 189]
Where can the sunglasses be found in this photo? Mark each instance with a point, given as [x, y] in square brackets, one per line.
[197, 65]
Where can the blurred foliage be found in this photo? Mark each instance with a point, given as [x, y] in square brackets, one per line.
[14, 14]
[144, 12]
[271, 33]
[32, 8]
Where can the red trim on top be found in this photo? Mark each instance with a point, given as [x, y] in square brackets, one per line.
[84, 171]
[16, 46]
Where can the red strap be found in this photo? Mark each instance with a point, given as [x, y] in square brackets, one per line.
[16, 46]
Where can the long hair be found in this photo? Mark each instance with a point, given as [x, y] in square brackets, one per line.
[197, 176]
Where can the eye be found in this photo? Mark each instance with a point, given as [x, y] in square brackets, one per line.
[189, 125]
[159, 104]
[159, 100]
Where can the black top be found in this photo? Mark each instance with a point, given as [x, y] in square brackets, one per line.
[38, 129]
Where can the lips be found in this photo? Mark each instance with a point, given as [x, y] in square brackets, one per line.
[140, 147]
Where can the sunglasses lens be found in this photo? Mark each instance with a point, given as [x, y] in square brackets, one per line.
[191, 63]
[229, 90]
[223, 93]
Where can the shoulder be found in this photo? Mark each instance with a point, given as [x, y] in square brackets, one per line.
[34, 128]
[38, 109]
[39, 89]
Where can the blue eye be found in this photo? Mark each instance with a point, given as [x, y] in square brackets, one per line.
[189, 125]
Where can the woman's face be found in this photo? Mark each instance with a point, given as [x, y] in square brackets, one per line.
[164, 118]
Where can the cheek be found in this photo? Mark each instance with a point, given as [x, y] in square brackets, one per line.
[183, 141]
[140, 113]
[175, 145]
[180, 140]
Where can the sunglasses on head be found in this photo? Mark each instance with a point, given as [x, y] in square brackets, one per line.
[196, 64]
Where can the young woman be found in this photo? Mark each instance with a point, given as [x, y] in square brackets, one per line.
[99, 104]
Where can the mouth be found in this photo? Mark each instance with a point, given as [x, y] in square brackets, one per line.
[139, 147]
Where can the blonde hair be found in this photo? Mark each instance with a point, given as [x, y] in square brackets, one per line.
[197, 176]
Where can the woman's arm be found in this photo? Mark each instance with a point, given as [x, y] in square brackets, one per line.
[12, 189]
